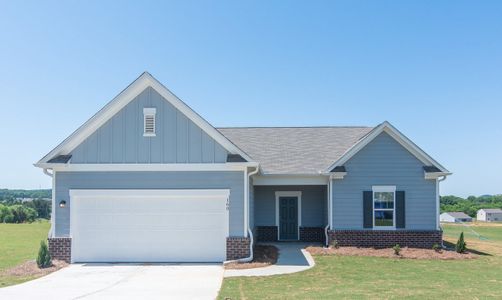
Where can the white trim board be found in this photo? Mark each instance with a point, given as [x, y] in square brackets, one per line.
[146, 167]
[290, 180]
[396, 135]
[144, 81]
[298, 195]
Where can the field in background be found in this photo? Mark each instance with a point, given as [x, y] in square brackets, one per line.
[18, 244]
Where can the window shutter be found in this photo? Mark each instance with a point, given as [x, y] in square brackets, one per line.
[400, 210]
[368, 209]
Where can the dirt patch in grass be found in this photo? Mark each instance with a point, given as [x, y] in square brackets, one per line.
[30, 268]
[264, 255]
[411, 253]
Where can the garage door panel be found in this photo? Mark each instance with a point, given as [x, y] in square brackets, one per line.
[138, 228]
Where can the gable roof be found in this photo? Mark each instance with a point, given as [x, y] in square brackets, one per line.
[458, 214]
[492, 210]
[114, 106]
[295, 150]
[400, 138]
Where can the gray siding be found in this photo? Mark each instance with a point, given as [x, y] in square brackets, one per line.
[233, 180]
[313, 204]
[384, 162]
[177, 140]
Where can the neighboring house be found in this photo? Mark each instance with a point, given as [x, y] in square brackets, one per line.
[454, 217]
[489, 215]
[147, 179]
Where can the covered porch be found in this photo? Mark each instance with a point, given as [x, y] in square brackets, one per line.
[285, 212]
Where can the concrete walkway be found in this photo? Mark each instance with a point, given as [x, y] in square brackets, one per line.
[292, 258]
[123, 281]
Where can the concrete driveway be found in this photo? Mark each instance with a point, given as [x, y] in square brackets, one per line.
[123, 281]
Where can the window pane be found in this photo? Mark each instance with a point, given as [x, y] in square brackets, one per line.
[384, 200]
[384, 218]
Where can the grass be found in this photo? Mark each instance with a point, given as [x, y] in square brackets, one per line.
[18, 244]
[336, 277]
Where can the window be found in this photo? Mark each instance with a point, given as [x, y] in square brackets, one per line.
[384, 198]
[149, 121]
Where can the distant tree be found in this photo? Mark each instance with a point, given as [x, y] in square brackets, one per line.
[43, 207]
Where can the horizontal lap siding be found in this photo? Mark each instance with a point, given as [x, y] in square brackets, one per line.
[177, 140]
[232, 180]
[384, 162]
[313, 204]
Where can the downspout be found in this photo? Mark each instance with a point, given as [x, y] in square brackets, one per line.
[328, 213]
[438, 206]
[250, 232]
[53, 209]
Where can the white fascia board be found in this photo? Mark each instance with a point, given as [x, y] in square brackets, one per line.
[146, 167]
[121, 100]
[397, 136]
[435, 175]
[290, 180]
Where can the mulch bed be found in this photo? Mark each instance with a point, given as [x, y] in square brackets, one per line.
[30, 268]
[410, 253]
[264, 255]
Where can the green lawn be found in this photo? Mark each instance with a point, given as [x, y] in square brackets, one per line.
[336, 277]
[19, 243]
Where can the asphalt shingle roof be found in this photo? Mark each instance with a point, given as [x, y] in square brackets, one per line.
[294, 150]
[459, 215]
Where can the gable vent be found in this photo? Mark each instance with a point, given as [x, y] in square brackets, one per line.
[149, 121]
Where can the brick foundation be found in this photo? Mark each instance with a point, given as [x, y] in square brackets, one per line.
[60, 248]
[312, 234]
[237, 247]
[266, 233]
[387, 238]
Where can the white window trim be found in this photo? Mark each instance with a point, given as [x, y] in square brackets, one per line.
[149, 112]
[298, 195]
[384, 188]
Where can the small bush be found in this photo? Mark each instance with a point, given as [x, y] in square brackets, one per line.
[44, 258]
[436, 247]
[397, 249]
[334, 244]
[461, 245]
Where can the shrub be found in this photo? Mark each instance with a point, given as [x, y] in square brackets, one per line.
[21, 214]
[44, 257]
[436, 247]
[397, 249]
[334, 244]
[461, 245]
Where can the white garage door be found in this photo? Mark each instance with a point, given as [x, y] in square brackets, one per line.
[149, 225]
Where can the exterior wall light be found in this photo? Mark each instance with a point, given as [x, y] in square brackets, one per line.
[62, 204]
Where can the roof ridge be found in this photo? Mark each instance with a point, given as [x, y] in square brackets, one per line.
[265, 127]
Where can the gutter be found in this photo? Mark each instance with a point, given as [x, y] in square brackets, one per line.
[439, 200]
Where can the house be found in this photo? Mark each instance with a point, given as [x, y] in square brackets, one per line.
[147, 179]
[454, 217]
[489, 215]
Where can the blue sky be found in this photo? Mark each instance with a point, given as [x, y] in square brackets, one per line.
[431, 68]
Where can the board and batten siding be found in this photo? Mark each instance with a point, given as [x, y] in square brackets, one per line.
[121, 140]
[313, 207]
[384, 162]
[232, 180]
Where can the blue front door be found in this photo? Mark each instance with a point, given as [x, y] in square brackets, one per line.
[288, 218]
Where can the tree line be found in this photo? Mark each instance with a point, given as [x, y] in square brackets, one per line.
[471, 204]
[21, 206]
